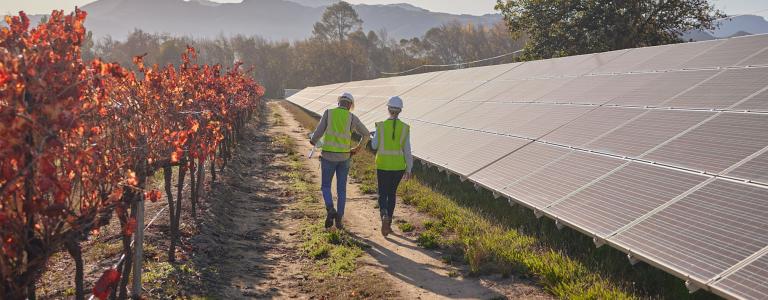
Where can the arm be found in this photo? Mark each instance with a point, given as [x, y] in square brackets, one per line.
[408, 155]
[320, 129]
[360, 128]
[375, 140]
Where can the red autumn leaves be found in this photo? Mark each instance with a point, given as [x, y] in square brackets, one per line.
[74, 135]
[106, 282]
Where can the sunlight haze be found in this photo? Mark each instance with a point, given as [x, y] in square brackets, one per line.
[473, 7]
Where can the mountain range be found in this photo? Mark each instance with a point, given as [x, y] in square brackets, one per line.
[291, 20]
[286, 20]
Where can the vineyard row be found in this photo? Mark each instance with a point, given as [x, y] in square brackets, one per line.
[79, 142]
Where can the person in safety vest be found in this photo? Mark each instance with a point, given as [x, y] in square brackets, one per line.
[335, 129]
[393, 160]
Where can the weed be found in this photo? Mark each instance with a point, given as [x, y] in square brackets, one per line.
[428, 239]
[406, 227]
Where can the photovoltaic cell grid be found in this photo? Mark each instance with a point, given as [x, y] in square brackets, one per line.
[661, 152]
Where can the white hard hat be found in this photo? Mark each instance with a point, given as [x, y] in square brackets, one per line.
[395, 102]
[348, 97]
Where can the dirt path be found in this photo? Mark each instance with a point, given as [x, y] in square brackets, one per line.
[417, 273]
[248, 243]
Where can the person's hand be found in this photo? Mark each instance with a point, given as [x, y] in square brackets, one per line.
[407, 176]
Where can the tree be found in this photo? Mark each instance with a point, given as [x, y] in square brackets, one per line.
[337, 22]
[568, 27]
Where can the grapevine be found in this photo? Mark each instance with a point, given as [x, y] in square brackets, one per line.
[79, 141]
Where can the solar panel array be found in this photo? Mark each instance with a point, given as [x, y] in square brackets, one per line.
[661, 152]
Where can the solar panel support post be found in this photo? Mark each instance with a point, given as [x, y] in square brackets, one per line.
[463, 178]
[559, 225]
[632, 259]
[496, 195]
[477, 187]
[691, 286]
[511, 202]
[538, 213]
[598, 242]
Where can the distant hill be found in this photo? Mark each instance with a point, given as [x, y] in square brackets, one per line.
[747, 23]
[315, 3]
[731, 27]
[272, 19]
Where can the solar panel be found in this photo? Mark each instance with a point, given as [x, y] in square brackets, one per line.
[320, 105]
[646, 132]
[448, 111]
[757, 103]
[562, 66]
[706, 232]
[614, 86]
[551, 118]
[723, 90]
[517, 165]
[759, 59]
[308, 95]
[577, 91]
[622, 197]
[464, 152]
[661, 87]
[560, 178]
[530, 90]
[507, 122]
[755, 169]
[661, 152]
[717, 144]
[441, 91]
[484, 114]
[592, 125]
[478, 74]
[749, 282]
[489, 90]
[597, 60]
[729, 53]
[675, 56]
[427, 137]
[627, 61]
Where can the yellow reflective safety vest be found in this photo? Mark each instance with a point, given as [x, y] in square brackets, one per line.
[391, 137]
[338, 134]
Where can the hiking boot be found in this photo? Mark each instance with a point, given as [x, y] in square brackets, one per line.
[388, 222]
[339, 223]
[385, 223]
[329, 217]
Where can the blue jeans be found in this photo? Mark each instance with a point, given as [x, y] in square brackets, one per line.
[341, 169]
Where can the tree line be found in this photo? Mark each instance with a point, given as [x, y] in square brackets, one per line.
[339, 50]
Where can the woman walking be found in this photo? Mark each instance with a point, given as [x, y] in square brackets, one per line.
[393, 160]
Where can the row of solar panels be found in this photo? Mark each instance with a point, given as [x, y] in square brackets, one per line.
[661, 152]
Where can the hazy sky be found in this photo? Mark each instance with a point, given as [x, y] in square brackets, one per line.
[476, 7]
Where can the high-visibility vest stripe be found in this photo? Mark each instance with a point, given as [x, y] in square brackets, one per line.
[390, 155]
[338, 134]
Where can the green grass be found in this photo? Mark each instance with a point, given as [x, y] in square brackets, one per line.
[494, 237]
[335, 251]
